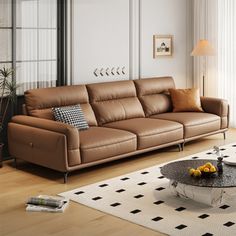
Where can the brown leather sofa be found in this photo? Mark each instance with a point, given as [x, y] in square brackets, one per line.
[125, 118]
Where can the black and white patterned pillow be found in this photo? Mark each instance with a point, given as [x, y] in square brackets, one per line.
[72, 115]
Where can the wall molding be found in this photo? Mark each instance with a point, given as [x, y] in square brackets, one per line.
[69, 40]
[189, 46]
[134, 39]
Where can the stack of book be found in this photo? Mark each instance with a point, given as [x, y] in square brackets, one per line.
[47, 203]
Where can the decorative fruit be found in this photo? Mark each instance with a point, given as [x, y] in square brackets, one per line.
[204, 170]
[191, 171]
[212, 169]
[201, 168]
[197, 173]
[208, 165]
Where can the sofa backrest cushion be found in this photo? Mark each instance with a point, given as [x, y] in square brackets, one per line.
[114, 101]
[153, 94]
[39, 102]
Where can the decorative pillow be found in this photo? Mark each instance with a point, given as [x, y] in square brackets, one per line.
[72, 115]
[185, 100]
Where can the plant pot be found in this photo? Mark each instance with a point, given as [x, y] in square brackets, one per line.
[1, 149]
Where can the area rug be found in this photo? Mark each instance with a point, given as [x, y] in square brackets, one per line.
[143, 197]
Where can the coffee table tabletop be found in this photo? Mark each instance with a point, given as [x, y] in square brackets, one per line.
[178, 171]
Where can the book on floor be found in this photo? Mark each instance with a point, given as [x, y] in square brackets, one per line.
[46, 203]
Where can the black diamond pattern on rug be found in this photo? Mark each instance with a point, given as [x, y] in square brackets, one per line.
[229, 223]
[225, 156]
[224, 207]
[195, 157]
[207, 234]
[120, 190]
[115, 204]
[124, 179]
[158, 218]
[203, 216]
[159, 189]
[139, 196]
[135, 211]
[145, 172]
[209, 153]
[222, 149]
[161, 177]
[158, 202]
[80, 192]
[180, 209]
[103, 185]
[142, 183]
[180, 227]
[96, 198]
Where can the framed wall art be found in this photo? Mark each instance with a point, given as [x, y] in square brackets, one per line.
[162, 45]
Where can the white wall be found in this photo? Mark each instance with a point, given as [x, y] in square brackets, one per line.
[117, 33]
[100, 39]
[166, 17]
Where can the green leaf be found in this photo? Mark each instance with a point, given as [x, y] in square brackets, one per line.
[6, 72]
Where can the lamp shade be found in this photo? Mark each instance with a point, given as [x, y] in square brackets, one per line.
[203, 48]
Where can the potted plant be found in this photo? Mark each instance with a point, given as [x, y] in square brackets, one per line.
[8, 89]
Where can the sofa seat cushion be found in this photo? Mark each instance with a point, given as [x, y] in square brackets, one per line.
[97, 143]
[195, 123]
[150, 132]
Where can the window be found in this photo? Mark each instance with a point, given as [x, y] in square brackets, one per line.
[28, 41]
[5, 33]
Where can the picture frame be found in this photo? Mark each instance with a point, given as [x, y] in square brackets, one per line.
[162, 45]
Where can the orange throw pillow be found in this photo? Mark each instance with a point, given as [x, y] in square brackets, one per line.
[185, 100]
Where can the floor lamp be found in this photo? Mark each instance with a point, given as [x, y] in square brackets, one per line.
[203, 48]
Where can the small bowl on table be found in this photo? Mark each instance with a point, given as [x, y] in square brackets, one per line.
[208, 174]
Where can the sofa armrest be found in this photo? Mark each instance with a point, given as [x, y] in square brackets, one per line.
[217, 106]
[71, 133]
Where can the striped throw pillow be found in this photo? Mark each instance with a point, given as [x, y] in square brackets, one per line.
[72, 115]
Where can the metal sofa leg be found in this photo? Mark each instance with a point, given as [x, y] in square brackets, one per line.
[65, 175]
[180, 147]
[224, 134]
[15, 162]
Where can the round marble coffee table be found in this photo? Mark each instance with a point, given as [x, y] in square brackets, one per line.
[209, 190]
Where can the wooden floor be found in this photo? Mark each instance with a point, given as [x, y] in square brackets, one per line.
[16, 185]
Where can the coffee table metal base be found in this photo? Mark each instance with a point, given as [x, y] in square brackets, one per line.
[206, 195]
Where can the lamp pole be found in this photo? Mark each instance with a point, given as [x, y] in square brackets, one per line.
[203, 48]
[204, 76]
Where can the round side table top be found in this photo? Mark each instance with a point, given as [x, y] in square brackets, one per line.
[178, 171]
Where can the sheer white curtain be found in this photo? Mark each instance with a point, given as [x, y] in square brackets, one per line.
[33, 45]
[227, 54]
[205, 26]
[215, 20]
[36, 44]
